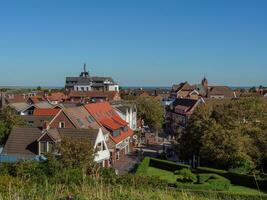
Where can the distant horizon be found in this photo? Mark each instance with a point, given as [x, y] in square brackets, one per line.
[123, 87]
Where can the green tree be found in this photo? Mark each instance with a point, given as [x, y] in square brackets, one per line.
[8, 119]
[151, 111]
[78, 153]
[228, 134]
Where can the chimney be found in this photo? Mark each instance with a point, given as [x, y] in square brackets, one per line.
[46, 125]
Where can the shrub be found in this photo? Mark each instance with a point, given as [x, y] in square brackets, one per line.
[207, 182]
[136, 181]
[108, 175]
[185, 175]
[235, 178]
[70, 176]
[142, 168]
[166, 165]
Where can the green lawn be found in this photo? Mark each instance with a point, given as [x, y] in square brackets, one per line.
[171, 178]
[243, 190]
[162, 174]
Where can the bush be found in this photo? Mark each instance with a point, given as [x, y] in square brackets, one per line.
[70, 176]
[108, 175]
[136, 181]
[166, 165]
[207, 182]
[142, 168]
[185, 175]
[237, 179]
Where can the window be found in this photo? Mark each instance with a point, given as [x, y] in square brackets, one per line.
[80, 121]
[90, 119]
[61, 125]
[99, 147]
[116, 133]
[46, 147]
[117, 155]
[43, 148]
[50, 147]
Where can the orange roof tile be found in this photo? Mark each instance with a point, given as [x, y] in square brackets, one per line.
[122, 136]
[109, 123]
[56, 96]
[46, 111]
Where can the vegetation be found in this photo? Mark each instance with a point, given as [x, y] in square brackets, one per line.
[201, 181]
[229, 135]
[151, 111]
[8, 119]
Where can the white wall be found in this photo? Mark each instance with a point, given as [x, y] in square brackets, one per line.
[82, 88]
[101, 155]
[113, 88]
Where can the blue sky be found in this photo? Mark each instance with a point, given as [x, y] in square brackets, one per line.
[137, 42]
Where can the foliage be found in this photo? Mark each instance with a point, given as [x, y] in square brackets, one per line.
[237, 179]
[151, 111]
[142, 168]
[8, 119]
[78, 154]
[145, 181]
[166, 165]
[185, 176]
[228, 134]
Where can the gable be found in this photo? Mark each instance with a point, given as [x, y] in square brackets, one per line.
[61, 117]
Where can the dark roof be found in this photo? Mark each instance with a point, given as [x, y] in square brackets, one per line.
[36, 121]
[184, 105]
[22, 141]
[221, 90]
[90, 134]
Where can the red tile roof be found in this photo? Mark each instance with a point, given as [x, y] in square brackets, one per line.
[104, 113]
[110, 124]
[122, 136]
[56, 96]
[36, 99]
[46, 111]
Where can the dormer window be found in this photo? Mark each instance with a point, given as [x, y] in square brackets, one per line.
[61, 125]
[46, 147]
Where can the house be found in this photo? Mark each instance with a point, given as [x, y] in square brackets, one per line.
[85, 82]
[203, 90]
[27, 143]
[120, 134]
[56, 98]
[178, 114]
[22, 108]
[92, 96]
[128, 112]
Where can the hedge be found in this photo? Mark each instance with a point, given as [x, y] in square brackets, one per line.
[160, 164]
[236, 179]
[208, 182]
[166, 165]
[142, 168]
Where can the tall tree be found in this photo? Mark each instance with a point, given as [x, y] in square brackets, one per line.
[8, 119]
[227, 134]
[151, 111]
[78, 153]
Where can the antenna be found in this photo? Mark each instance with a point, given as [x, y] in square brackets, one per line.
[84, 67]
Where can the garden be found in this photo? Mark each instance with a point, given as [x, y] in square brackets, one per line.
[201, 180]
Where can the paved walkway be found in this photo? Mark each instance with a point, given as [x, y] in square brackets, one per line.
[127, 163]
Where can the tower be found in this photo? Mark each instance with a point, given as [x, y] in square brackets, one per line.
[204, 82]
[84, 73]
